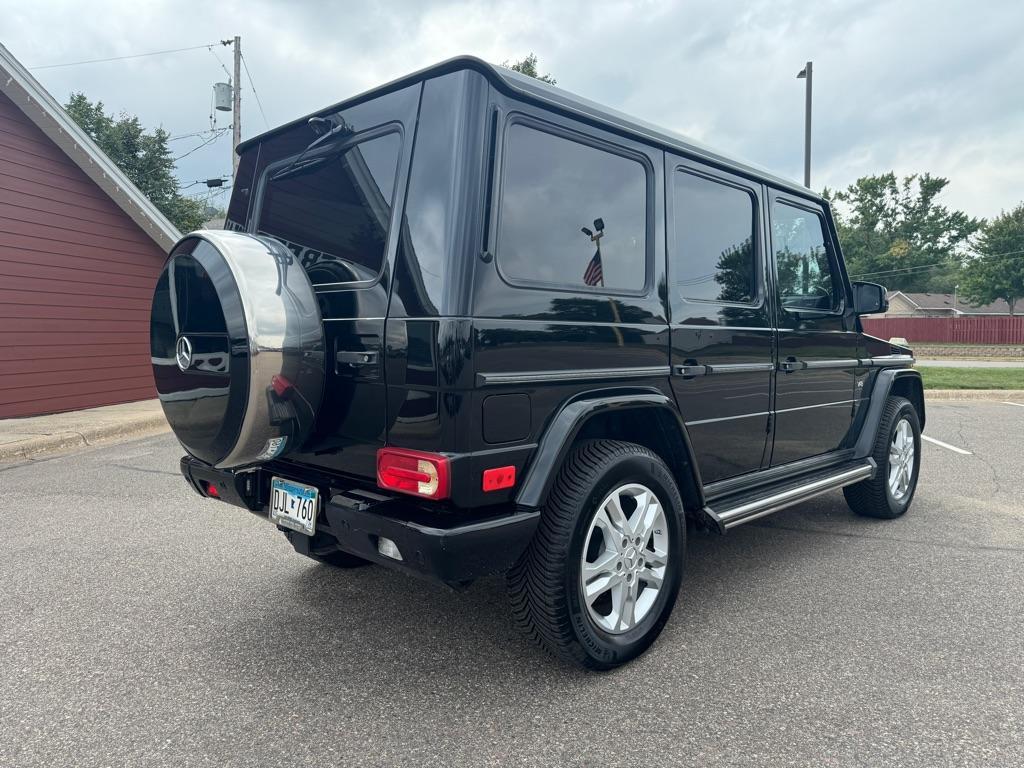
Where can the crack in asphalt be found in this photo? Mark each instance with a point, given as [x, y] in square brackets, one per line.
[960, 415]
[150, 471]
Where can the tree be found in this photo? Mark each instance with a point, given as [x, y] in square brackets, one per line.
[528, 66]
[143, 157]
[734, 272]
[997, 272]
[894, 232]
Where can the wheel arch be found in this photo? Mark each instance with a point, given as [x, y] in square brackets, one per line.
[646, 417]
[910, 386]
[902, 382]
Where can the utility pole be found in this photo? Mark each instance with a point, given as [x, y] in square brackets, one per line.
[236, 106]
[804, 74]
[236, 121]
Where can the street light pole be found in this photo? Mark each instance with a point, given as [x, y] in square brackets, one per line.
[806, 74]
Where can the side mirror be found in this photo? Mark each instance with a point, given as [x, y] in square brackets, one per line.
[869, 299]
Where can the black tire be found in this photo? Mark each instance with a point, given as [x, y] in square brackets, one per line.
[544, 585]
[873, 497]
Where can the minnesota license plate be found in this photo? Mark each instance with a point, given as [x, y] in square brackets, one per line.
[294, 505]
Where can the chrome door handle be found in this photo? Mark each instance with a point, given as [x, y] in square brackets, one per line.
[791, 364]
[357, 358]
[691, 371]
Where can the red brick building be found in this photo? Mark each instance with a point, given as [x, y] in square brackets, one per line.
[80, 252]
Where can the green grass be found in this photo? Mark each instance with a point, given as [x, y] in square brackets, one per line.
[972, 378]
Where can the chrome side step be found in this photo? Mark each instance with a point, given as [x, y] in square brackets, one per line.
[742, 508]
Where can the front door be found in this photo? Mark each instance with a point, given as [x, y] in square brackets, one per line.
[721, 332]
[817, 337]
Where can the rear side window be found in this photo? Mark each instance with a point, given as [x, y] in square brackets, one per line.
[554, 188]
[804, 267]
[334, 211]
[714, 240]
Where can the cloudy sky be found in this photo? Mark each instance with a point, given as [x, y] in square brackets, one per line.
[918, 85]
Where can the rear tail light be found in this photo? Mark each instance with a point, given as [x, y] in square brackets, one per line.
[421, 474]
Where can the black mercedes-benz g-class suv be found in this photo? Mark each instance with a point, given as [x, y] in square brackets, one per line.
[468, 323]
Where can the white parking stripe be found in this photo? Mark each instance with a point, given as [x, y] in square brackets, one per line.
[946, 445]
[1007, 402]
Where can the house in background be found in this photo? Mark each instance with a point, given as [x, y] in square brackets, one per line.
[80, 252]
[903, 304]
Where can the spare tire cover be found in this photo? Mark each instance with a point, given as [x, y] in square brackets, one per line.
[237, 348]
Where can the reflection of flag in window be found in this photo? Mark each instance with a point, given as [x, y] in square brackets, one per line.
[594, 274]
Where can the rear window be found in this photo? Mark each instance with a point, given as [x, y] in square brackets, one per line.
[333, 211]
[572, 215]
[714, 227]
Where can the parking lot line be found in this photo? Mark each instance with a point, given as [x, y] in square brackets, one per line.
[1007, 402]
[946, 445]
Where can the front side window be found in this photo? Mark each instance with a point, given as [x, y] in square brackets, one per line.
[714, 256]
[804, 267]
[571, 214]
[333, 211]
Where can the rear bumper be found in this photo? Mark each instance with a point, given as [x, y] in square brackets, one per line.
[432, 545]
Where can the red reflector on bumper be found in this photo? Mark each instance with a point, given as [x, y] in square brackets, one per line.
[499, 477]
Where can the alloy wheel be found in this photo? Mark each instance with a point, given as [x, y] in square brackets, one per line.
[901, 460]
[625, 556]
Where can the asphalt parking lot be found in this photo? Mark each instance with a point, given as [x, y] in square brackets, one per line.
[141, 625]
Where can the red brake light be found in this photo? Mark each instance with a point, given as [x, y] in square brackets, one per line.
[499, 477]
[416, 472]
[211, 489]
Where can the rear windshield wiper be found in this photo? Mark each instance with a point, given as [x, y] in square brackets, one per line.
[316, 123]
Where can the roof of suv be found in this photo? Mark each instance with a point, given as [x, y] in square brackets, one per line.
[540, 92]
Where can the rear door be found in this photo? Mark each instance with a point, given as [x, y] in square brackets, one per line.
[332, 207]
[817, 335]
[721, 332]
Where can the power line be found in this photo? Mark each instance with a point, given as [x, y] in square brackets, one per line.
[197, 133]
[122, 58]
[939, 264]
[210, 191]
[220, 132]
[254, 93]
[214, 53]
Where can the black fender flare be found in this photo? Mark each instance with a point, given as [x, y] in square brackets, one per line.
[880, 390]
[560, 433]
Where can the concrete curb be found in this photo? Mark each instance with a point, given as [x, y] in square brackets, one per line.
[975, 394]
[37, 436]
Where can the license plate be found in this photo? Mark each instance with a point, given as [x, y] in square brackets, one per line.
[294, 505]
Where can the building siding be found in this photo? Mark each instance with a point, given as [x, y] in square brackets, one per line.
[76, 279]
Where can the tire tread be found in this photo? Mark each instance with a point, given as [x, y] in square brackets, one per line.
[869, 498]
[540, 607]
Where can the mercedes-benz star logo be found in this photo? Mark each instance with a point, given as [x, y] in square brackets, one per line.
[183, 353]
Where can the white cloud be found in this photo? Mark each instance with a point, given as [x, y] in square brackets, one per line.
[910, 86]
